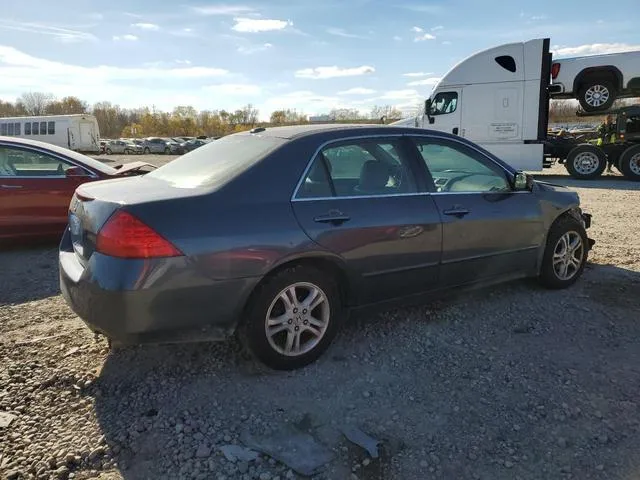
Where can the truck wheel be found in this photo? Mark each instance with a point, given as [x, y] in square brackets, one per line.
[629, 163]
[586, 162]
[597, 95]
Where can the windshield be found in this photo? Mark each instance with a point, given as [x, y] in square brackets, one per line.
[216, 163]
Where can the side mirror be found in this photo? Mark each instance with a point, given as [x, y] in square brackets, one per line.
[522, 181]
[427, 109]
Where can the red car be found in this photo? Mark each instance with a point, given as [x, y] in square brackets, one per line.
[37, 181]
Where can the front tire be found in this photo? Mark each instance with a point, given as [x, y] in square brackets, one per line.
[629, 163]
[292, 318]
[167, 151]
[597, 95]
[565, 254]
[586, 162]
[146, 151]
[109, 152]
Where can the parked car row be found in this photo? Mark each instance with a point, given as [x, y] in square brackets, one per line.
[161, 145]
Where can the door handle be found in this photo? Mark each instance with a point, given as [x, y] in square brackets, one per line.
[455, 130]
[10, 186]
[457, 211]
[335, 218]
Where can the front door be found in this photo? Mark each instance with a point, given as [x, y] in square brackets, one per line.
[445, 112]
[360, 200]
[35, 192]
[489, 230]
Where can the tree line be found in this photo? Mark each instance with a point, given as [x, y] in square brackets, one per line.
[115, 121]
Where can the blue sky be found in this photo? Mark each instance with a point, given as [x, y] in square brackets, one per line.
[311, 55]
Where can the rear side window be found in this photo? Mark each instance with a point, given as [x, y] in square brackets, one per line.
[43, 128]
[217, 163]
[27, 128]
[52, 128]
[35, 129]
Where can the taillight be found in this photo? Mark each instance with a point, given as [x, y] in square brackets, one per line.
[125, 236]
[555, 70]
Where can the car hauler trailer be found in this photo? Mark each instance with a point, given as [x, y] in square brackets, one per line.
[499, 98]
[76, 132]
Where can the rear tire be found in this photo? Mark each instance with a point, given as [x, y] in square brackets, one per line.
[565, 254]
[167, 151]
[109, 152]
[147, 151]
[310, 331]
[597, 95]
[629, 163]
[585, 162]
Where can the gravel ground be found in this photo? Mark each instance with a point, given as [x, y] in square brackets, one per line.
[506, 383]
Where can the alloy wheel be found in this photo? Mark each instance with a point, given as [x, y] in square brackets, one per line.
[567, 255]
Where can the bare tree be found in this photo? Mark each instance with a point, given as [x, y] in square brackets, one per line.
[35, 103]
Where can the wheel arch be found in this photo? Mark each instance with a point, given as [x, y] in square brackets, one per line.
[325, 262]
[603, 71]
[569, 211]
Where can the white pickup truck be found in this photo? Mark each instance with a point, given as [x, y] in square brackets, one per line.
[596, 80]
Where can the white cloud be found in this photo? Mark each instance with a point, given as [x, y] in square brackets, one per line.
[339, 32]
[594, 49]
[146, 26]
[222, 9]
[397, 38]
[399, 95]
[183, 62]
[446, 42]
[60, 34]
[425, 81]
[422, 8]
[423, 37]
[417, 74]
[127, 37]
[333, 72]
[235, 89]
[255, 25]
[417, 29]
[538, 17]
[249, 49]
[436, 28]
[357, 91]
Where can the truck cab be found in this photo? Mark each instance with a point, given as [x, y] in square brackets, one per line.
[497, 98]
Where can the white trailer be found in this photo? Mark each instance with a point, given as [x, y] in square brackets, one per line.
[75, 132]
[497, 98]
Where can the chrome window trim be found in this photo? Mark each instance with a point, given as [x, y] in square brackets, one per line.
[391, 135]
[32, 149]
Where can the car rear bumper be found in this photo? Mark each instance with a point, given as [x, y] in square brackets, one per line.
[156, 301]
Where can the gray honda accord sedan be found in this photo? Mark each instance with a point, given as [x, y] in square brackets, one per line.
[277, 234]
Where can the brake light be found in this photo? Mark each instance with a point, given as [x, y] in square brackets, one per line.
[555, 70]
[125, 236]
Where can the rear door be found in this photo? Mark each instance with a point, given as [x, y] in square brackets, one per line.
[35, 191]
[361, 200]
[489, 230]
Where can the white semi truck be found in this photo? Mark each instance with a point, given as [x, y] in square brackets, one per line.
[499, 98]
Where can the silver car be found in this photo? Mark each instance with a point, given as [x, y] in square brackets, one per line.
[155, 145]
[121, 146]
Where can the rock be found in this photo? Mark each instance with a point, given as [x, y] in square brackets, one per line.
[424, 464]
[600, 467]
[6, 419]
[96, 454]
[203, 451]
[243, 467]
[366, 394]
[14, 475]
[508, 464]
[234, 453]
[562, 442]
[62, 473]
[265, 476]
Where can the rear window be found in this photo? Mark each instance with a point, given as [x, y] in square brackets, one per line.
[218, 162]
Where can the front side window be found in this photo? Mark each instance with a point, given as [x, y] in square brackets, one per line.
[364, 167]
[35, 128]
[443, 103]
[27, 128]
[455, 167]
[3, 129]
[25, 163]
[16, 129]
[43, 128]
[10, 129]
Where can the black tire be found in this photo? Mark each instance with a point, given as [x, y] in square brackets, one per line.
[592, 91]
[167, 151]
[578, 158]
[549, 277]
[252, 331]
[146, 151]
[629, 163]
[109, 152]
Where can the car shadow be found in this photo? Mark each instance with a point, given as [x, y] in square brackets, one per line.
[606, 182]
[157, 405]
[29, 270]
